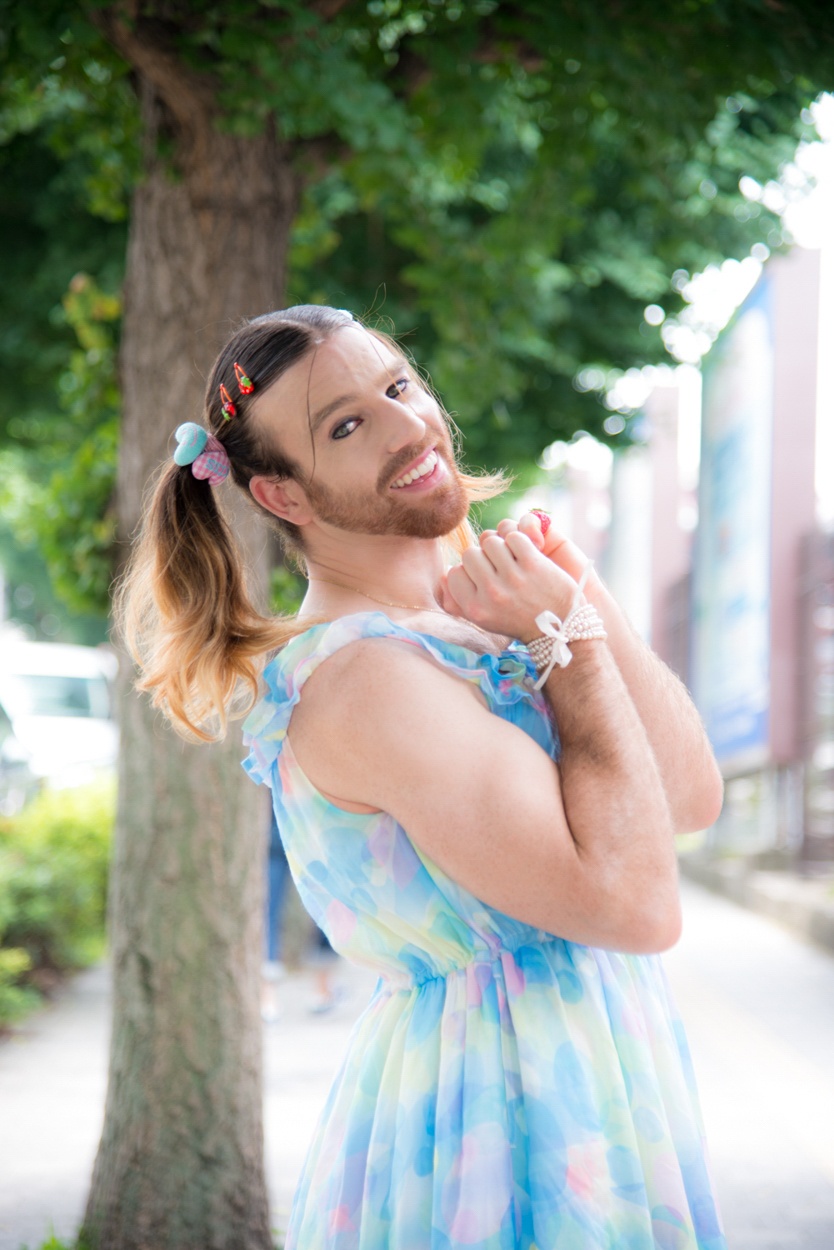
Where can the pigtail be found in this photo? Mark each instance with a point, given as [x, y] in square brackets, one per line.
[185, 613]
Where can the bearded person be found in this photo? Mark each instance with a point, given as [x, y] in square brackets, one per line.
[478, 771]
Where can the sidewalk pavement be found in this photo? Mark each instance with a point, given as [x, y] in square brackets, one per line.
[53, 1075]
[805, 905]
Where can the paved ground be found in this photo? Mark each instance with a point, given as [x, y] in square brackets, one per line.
[52, 1085]
[53, 1082]
[759, 1005]
[759, 1009]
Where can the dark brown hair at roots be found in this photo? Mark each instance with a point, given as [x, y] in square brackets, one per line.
[265, 348]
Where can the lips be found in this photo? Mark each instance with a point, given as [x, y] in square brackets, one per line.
[421, 468]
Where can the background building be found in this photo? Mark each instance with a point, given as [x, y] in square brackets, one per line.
[740, 605]
[716, 537]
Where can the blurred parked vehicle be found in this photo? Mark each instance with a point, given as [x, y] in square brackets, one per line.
[17, 780]
[58, 698]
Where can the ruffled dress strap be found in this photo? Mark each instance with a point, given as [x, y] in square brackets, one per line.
[506, 680]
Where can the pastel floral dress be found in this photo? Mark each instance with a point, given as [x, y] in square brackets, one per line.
[504, 1089]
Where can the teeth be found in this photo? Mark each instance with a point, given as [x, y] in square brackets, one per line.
[420, 470]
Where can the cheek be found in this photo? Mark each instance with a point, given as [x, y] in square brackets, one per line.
[351, 465]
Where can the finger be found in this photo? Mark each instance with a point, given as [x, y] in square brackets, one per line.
[477, 566]
[523, 548]
[459, 588]
[531, 525]
[499, 555]
[446, 598]
[542, 517]
[506, 527]
[564, 552]
[485, 534]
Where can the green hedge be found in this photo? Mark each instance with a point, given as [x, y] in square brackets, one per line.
[54, 857]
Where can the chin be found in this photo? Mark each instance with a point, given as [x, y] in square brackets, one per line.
[429, 522]
[435, 517]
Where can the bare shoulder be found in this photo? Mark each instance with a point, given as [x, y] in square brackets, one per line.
[378, 712]
[367, 679]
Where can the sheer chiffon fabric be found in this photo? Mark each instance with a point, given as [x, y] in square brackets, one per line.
[504, 1089]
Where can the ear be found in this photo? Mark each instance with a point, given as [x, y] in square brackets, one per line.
[283, 497]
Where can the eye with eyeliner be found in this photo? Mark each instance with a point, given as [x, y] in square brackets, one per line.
[353, 422]
[341, 430]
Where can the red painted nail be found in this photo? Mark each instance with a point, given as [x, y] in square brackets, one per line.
[544, 519]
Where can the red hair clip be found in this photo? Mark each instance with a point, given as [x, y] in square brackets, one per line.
[246, 384]
[226, 406]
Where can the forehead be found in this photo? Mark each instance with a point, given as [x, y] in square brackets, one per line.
[351, 352]
[337, 365]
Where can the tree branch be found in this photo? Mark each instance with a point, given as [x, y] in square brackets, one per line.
[144, 44]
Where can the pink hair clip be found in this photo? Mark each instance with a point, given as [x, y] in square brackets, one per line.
[207, 456]
[212, 464]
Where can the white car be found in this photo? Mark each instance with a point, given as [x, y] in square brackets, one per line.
[17, 781]
[59, 700]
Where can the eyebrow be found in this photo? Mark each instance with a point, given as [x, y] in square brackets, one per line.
[323, 413]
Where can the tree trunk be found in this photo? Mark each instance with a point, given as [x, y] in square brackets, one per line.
[180, 1164]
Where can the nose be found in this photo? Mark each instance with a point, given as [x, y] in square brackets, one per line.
[403, 425]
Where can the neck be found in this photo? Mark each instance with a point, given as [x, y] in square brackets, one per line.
[346, 576]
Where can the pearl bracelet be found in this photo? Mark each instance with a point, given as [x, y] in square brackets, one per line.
[582, 624]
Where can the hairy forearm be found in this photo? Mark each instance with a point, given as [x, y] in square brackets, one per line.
[614, 797]
[687, 766]
[674, 729]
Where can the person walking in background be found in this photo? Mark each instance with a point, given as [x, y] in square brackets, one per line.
[478, 771]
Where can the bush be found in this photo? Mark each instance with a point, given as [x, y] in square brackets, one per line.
[54, 858]
[15, 998]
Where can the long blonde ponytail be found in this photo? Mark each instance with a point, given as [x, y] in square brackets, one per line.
[186, 615]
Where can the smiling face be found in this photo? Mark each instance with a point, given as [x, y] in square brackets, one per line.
[371, 444]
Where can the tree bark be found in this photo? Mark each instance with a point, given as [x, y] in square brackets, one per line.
[180, 1163]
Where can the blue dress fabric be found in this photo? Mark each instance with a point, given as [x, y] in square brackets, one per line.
[504, 1089]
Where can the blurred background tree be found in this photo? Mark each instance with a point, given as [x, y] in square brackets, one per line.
[509, 183]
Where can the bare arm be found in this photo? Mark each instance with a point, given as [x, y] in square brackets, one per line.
[676, 734]
[582, 850]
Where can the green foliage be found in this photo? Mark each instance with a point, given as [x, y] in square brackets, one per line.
[68, 149]
[510, 183]
[56, 1243]
[69, 157]
[76, 524]
[31, 601]
[67, 88]
[558, 168]
[286, 590]
[59, 499]
[15, 997]
[53, 883]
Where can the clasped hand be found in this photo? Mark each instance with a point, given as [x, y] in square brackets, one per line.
[513, 574]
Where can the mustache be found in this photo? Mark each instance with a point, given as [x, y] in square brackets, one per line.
[411, 455]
